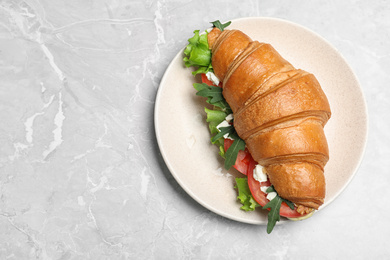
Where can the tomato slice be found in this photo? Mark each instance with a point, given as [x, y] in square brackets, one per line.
[244, 158]
[254, 186]
[209, 82]
[261, 197]
[206, 80]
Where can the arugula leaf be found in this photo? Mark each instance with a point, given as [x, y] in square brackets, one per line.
[273, 215]
[289, 203]
[245, 195]
[231, 154]
[274, 206]
[198, 54]
[222, 132]
[213, 93]
[219, 25]
[214, 96]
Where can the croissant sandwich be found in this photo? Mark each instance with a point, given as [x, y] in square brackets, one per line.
[279, 112]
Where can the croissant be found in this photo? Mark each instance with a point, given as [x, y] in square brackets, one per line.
[279, 111]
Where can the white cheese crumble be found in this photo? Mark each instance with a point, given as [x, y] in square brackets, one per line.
[211, 76]
[271, 195]
[259, 174]
[229, 117]
[264, 188]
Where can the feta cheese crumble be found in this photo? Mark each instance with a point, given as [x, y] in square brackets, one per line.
[264, 188]
[229, 118]
[259, 174]
[271, 195]
[211, 76]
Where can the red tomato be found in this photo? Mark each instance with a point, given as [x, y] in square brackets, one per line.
[254, 186]
[209, 82]
[206, 80]
[243, 158]
[261, 197]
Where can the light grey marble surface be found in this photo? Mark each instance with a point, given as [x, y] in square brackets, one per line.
[81, 175]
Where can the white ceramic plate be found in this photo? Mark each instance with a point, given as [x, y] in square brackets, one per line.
[184, 138]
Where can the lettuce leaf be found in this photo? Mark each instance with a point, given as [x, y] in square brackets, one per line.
[197, 53]
[244, 195]
[214, 118]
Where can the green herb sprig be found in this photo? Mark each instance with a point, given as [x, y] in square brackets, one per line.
[274, 209]
[231, 154]
[219, 25]
[214, 96]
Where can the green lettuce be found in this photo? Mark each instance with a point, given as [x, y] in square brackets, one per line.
[245, 195]
[214, 118]
[197, 53]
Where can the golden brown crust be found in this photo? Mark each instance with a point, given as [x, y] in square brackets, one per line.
[212, 36]
[252, 73]
[226, 48]
[306, 138]
[278, 110]
[301, 182]
[298, 96]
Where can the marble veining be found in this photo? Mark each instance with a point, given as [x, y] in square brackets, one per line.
[81, 175]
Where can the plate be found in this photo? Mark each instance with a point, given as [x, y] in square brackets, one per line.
[184, 139]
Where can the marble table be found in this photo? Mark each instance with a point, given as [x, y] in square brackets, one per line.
[81, 174]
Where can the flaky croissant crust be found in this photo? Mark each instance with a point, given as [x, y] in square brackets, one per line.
[279, 111]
